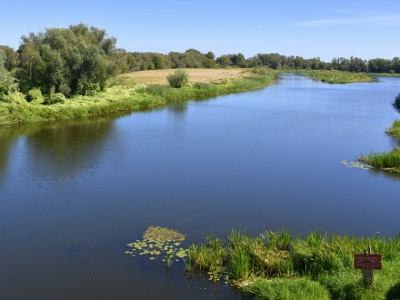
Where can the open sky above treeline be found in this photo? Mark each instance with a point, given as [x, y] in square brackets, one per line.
[312, 28]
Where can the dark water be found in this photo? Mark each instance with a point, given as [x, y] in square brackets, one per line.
[73, 195]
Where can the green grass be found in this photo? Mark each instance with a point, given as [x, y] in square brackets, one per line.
[122, 97]
[277, 265]
[394, 130]
[385, 160]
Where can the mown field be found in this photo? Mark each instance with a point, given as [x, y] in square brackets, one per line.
[195, 75]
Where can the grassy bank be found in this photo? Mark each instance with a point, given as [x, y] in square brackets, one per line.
[276, 265]
[388, 161]
[341, 77]
[123, 94]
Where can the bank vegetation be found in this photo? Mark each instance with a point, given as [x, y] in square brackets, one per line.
[278, 265]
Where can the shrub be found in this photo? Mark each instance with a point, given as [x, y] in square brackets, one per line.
[396, 103]
[178, 79]
[34, 95]
[55, 98]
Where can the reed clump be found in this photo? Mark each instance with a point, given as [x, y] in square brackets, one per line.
[389, 161]
[394, 130]
[278, 265]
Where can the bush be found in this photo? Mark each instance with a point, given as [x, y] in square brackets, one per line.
[55, 98]
[35, 96]
[178, 79]
[396, 103]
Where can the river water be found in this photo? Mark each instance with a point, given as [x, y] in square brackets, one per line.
[72, 195]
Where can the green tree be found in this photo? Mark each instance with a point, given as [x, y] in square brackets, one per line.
[11, 58]
[7, 82]
[74, 60]
[224, 61]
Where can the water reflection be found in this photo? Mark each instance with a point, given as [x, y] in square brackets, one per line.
[178, 109]
[8, 139]
[62, 150]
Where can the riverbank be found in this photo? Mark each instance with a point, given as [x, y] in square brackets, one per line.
[149, 89]
[125, 93]
[276, 265]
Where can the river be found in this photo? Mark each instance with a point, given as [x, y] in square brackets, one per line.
[72, 195]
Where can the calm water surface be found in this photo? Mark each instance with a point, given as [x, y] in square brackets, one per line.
[73, 195]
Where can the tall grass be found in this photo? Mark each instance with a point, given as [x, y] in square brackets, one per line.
[277, 265]
[394, 130]
[385, 160]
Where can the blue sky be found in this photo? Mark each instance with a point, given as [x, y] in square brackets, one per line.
[325, 29]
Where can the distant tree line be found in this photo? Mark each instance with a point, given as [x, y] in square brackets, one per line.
[79, 60]
[194, 59]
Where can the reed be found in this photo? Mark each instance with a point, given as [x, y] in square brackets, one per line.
[385, 160]
[277, 265]
[394, 130]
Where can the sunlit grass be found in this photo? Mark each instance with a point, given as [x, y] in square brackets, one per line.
[394, 130]
[385, 160]
[277, 265]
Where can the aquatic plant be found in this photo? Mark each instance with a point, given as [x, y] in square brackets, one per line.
[159, 241]
[356, 164]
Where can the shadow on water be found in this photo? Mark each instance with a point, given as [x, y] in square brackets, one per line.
[178, 109]
[57, 150]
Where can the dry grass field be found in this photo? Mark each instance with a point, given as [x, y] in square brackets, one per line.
[195, 75]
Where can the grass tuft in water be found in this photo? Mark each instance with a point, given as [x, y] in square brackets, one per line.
[387, 160]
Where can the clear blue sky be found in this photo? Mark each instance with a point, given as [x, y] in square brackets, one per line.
[315, 28]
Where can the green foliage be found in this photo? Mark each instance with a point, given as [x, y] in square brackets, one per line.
[35, 96]
[178, 79]
[276, 265]
[396, 103]
[55, 98]
[7, 82]
[119, 97]
[386, 160]
[74, 60]
[394, 130]
[10, 59]
[287, 289]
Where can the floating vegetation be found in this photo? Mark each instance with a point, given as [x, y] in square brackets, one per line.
[159, 241]
[356, 164]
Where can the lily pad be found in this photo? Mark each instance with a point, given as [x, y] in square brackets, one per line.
[160, 240]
